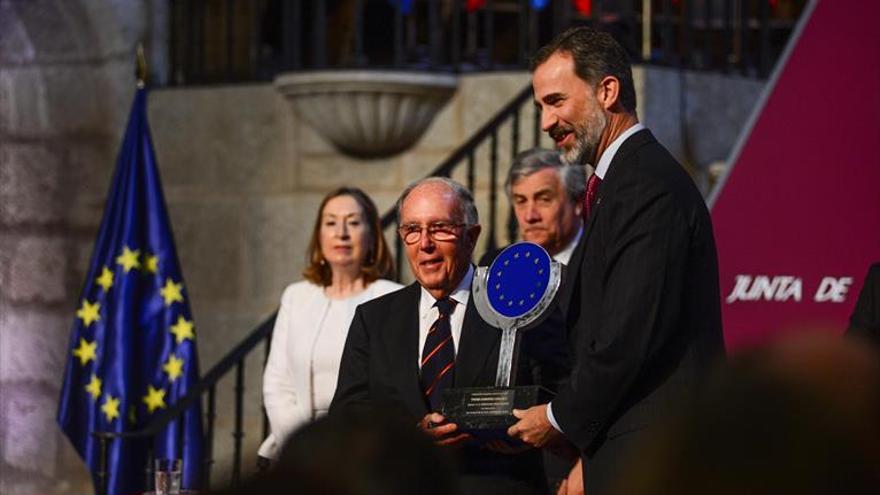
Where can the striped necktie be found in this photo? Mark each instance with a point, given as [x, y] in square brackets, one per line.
[438, 355]
[590, 198]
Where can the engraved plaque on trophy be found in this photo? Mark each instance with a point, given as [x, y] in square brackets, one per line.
[513, 294]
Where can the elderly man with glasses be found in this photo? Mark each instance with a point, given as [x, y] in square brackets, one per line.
[405, 348]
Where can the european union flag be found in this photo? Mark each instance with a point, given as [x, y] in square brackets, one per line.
[518, 279]
[132, 348]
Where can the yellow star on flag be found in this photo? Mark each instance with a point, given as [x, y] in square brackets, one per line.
[94, 387]
[182, 330]
[151, 263]
[105, 280]
[155, 398]
[129, 259]
[88, 313]
[86, 351]
[171, 292]
[110, 408]
[173, 367]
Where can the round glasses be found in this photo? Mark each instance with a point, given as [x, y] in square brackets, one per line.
[411, 233]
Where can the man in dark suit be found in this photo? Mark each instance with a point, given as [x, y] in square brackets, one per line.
[641, 297]
[865, 319]
[405, 348]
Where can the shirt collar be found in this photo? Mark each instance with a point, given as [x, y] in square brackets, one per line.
[460, 295]
[611, 150]
[565, 255]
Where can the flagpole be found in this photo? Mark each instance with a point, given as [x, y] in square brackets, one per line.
[141, 67]
[106, 437]
[103, 486]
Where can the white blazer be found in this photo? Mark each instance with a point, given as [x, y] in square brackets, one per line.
[287, 387]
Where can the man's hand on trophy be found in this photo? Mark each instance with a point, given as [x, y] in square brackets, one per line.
[533, 427]
[441, 431]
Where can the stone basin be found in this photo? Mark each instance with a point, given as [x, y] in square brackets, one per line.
[368, 113]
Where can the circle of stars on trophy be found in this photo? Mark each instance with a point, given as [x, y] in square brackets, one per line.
[513, 294]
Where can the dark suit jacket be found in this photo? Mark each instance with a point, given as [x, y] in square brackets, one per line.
[865, 319]
[379, 365]
[642, 302]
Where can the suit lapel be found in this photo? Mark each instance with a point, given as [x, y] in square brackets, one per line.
[572, 270]
[403, 343]
[633, 143]
[574, 267]
[478, 344]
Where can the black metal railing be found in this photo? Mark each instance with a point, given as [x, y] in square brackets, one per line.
[221, 41]
[206, 388]
[509, 117]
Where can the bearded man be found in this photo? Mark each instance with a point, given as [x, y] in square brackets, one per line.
[641, 297]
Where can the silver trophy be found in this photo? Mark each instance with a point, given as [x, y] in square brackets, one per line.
[513, 294]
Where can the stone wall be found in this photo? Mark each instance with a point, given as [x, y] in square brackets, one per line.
[65, 88]
[697, 115]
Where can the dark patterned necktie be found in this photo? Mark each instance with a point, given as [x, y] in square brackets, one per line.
[590, 198]
[438, 355]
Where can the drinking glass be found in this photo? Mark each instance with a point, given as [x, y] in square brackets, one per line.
[167, 474]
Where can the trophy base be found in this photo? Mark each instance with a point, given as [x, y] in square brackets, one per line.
[487, 412]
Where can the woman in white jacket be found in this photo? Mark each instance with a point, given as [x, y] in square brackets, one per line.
[347, 262]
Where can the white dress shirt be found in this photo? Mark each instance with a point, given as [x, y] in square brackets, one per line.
[601, 170]
[428, 313]
[611, 150]
[565, 255]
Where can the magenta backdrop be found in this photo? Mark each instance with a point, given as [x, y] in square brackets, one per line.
[803, 196]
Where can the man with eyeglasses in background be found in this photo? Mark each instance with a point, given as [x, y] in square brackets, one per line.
[405, 348]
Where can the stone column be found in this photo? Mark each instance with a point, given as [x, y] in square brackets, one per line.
[65, 87]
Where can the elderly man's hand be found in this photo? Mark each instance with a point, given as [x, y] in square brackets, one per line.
[574, 483]
[533, 426]
[442, 434]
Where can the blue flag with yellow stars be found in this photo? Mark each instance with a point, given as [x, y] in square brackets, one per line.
[132, 350]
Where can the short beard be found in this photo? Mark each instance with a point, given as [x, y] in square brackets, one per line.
[587, 136]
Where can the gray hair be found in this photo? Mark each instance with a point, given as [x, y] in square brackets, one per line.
[465, 198]
[573, 177]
